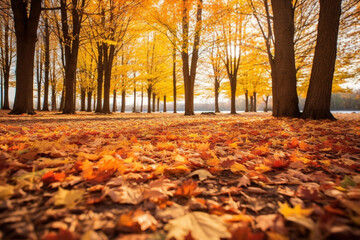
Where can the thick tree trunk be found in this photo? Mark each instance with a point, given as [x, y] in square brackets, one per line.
[317, 105]
[46, 66]
[254, 94]
[158, 105]
[251, 103]
[123, 98]
[62, 100]
[114, 101]
[72, 41]
[100, 76]
[246, 101]
[108, 62]
[189, 70]
[266, 100]
[89, 96]
[53, 98]
[153, 102]
[82, 99]
[6, 65]
[233, 94]
[165, 103]
[285, 94]
[25, 31]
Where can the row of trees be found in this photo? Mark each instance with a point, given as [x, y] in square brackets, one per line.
[96, 49]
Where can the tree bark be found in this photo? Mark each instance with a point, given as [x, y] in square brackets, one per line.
[158, 105]
[82, 99]
[100, 76]
[317, 104]
[149, 92]
[251, 103]
[142, 99]
[254, 94]
[6, 64]
[134, 108]
[72, 42]
[189, 70]
[246, 101]
[109, 53]
[285, 94]
[89, 96]
[233, 83]
[25, 31]
[165, 103]
[114, 101]
[266, 100]
[153, 102]
[38, 78]
[123, 98]
[174, 77]
[46, 66]
[217, 87]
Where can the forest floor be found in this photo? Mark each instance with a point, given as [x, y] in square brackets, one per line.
[168, 176]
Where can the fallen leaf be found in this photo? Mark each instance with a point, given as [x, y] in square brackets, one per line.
[202, 174]
[201, 226]
[125, 194]
[297, 214]
[136, 221]
[68, 198]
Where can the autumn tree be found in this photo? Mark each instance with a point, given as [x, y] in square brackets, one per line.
[317, 105]
[71, 27]
[26, 19]
[7, 53]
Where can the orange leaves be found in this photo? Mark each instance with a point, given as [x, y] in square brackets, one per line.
[136, 221]
[189, 188]
[51, 177]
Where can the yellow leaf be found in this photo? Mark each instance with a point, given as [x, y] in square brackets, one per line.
[237, 167]
[6, 191]
[276, 236]
[297, 211]
[68, 198]
[297, 215]
[262, 168]
[180, 158]
[233, 145]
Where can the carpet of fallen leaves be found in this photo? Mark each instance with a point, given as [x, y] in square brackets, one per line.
[167, 176]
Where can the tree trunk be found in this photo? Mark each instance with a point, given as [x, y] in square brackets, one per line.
[25, 31]
[47, 66]
[142, 99]
[251, 103]
[6, 65]
[165, 103]
[53, 99]
[123, 98]
[82, 99]
[109, 53]
[285, 94]
[174, 77]
[217, 87]
[233, 94]
[153, 102]
[2, 89]
[100, 76]
[254, 94]
[114, 101]
[266, 100]
[317, 104]
[134, 108]
[72, 41]
[189, 71]
[149, 91]
[158, 105]
[38, 78]
[89, 96]
[246, 101]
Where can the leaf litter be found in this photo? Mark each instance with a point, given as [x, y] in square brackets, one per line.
[166, 176]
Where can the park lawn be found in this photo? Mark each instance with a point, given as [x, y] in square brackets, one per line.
[164, 175]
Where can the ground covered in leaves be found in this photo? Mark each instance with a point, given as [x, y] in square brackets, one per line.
[167, 176]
